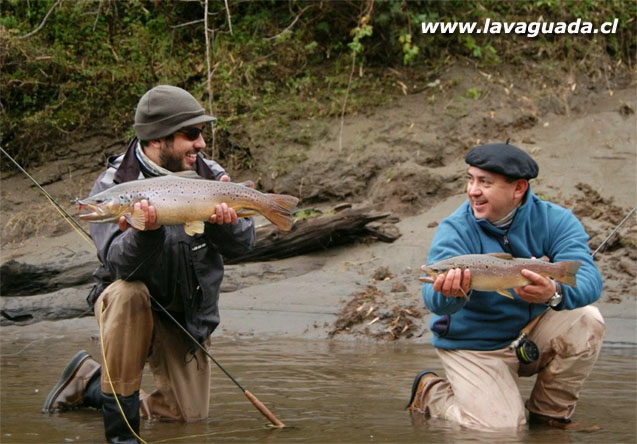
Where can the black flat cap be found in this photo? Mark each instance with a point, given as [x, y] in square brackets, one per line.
[504, 159]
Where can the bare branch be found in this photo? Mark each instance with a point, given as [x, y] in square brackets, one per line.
[291, 24]
[42, 23]
[209, 75]
[349, 84]
[228, 14]
[189, 23]
[97, 16]
[364, 18]
[194, 22]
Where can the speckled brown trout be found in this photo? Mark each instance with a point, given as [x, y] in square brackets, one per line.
[499, 271]
[181, 199]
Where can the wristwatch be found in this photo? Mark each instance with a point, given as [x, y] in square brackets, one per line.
[556, 299]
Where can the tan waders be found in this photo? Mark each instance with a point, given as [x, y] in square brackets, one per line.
[481, 388]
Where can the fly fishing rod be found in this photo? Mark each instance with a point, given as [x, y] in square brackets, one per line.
[65, 215]
[605, 241]
[525, 349]
[253, 399]
[78, 228]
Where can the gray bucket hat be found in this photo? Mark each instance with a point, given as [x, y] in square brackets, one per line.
[165, 109]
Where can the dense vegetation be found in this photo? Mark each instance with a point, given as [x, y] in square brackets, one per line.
[74, 67]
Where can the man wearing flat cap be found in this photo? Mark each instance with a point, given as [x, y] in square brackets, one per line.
[182, 273]
[473, 330]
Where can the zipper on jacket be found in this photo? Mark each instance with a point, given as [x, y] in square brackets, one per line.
[505, 236]
[506, 244]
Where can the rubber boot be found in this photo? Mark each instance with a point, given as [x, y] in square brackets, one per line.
[93, 396]
[536, 419]
[420, 382]
[115, 427]
[69, 391]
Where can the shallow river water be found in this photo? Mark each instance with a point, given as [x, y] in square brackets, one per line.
[325, 391]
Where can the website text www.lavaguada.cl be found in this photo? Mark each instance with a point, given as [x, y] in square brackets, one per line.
[530, 29]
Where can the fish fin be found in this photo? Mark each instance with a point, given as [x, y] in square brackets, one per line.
[244, 212]
[188, 174]
[569, 270]
[505, 256]
[505, 293]
[136, 219]
[247, 183]
[194, 227]
[280, 210]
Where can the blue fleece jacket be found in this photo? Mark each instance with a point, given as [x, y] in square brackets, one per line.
[489, 321]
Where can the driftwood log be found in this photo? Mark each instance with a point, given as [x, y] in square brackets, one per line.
[343, 226]
[22, 279]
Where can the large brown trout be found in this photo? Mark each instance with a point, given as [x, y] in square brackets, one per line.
[179, 200]
[499, 271]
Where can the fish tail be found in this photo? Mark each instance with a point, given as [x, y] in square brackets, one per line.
[280, 210]
[569, 270]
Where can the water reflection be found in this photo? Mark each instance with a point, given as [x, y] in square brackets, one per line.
[326, 391]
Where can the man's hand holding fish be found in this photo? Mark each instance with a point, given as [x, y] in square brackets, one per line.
[539, 291]
[455, 284]
[150, 217]
[223, 214]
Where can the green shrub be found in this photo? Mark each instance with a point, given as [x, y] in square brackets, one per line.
[89, 62]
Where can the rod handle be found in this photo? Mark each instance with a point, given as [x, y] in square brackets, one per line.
[264, 410]
[531, 325]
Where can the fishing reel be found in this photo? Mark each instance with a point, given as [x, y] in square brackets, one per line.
[526, 350]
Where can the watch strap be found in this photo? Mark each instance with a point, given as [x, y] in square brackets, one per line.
[555, 300]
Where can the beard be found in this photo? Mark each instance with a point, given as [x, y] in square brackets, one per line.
[170, 160]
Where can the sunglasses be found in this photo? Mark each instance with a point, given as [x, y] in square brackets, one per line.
[191, 134]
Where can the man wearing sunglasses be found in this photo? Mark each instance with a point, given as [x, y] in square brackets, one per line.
[181, 272]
